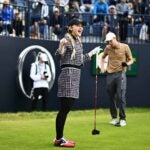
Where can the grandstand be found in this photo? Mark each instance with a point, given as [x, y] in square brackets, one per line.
[93, 31]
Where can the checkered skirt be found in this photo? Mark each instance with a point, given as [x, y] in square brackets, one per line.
[69, 82]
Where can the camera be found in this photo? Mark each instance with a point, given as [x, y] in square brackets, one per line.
[45, 74]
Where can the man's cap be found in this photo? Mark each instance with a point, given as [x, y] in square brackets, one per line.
[76, 21]
[43, 57]
[110, 36]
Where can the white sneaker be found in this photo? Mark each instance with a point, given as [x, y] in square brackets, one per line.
[113, 121]
[121, 123]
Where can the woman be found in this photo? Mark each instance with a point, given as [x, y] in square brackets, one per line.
[71, 56]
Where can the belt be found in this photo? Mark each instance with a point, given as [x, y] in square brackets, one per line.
[69, 65]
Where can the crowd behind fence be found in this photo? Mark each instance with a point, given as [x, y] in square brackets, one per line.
[22, 21]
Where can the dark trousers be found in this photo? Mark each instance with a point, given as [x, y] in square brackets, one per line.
[40, 92]
[8, 28]
[116, 88]
[123, 28]
[65, 106]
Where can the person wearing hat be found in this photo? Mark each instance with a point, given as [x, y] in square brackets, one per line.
[111, 22]
[120, 57]
[41, 76]
[70, 54]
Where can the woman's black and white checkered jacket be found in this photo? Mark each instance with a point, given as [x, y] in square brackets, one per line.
[69, 78]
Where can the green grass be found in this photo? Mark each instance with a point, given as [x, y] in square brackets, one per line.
[36, 130]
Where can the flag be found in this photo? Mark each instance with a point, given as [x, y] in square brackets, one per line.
[96, 63]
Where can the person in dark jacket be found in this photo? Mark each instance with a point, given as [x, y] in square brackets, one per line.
[123, 11]
[56, 22]
[18, 25]
[71, 56]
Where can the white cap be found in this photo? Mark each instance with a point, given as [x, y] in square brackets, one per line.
[55, 9]
[43, 57]
[111, 6]
[110, 36]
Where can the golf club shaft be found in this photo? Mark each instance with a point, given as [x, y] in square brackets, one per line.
[95, 101]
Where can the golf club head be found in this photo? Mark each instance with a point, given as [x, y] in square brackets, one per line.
[95, 132]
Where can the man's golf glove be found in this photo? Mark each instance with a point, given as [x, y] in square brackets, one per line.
[94, 51]
[124, 64]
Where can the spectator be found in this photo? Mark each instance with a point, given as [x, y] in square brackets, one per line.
[39, 15]
[56, 22]
[86, 5]
[41, 76]
[7, 17]
[130, 8]
[17, 25]
[130, 14]
[144, 32]
[100, 8]
[138, 21]
[142, 6]
[122, 11]
[58, 4]
[136, 7]
[35, 17]
[74, 5]
[43, 23]
[74, 9]
[111, 22]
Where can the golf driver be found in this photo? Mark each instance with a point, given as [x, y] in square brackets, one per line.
[95, 131]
